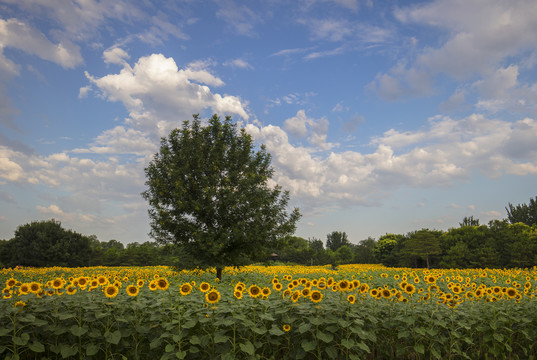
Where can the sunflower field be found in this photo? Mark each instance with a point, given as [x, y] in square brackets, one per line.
[274, 312]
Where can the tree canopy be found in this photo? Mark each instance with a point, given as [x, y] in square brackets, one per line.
[524, 213]
[208, 190]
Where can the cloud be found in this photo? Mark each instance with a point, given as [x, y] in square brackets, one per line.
[240, 18]
[445, 151]
[159, 95]
[79, 20]
[301, 126]
[238, 63]
[480, 37]
[121, 140]
[115, 55]
[17, 34]
[52, 209]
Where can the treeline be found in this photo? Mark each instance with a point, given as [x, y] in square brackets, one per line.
[47, 243]
[507, 243]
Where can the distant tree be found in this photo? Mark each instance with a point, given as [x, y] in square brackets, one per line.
[363, 252]
[336, 239]
[384, 250]
[423, 244]
[209, 191]
[316, 244]
[47, 243]
[524, 213]
[344, 255]
[469, 221]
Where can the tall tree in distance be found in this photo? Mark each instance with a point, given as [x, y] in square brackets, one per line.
[524, 213]
[208, 191]
[336, 239]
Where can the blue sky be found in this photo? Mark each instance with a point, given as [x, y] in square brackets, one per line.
[381, 116]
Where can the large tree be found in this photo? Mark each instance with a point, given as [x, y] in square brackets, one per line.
[47, 243]
[209, 191]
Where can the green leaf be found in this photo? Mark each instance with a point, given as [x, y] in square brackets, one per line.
[331, 351]
[195, 340]
[78, 330]
[436, 354]
[308, 345]
[276, 331]
[65, 316]
[419, 348]
[304, 327]
[91, 349]
[180, 354]
[169, 348]
[348, 344]
[21, 340]
[113, 337]
[498, 337]
[260, 330]
[155, 343]
[316, 321]
[190, 324]
[67, 350]
[247, 347]
[363, 346]
[220, 338]
[37, 347]
[327, 338]
[5, 331]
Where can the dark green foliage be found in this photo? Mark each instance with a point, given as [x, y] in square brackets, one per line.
[524, 213]
[208, 192]
[421, 245]
[469, 221]
[336, 239]
[46, 243]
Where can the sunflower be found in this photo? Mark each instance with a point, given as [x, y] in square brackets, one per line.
[11, 282]
[295, 296]
[212, 296]
[82, 281]
[277, 286]
[162, 283]
[254, 291]
[305, 292]
[237, 294]
[140, 283]
[266, 291]
[385, 293]
[133, 290]
[351, 299]
[286, 327]
[20, 304]
[204, 287]
[409, 289]
[316, 296]
[343, 285]
[321, 285]
[57, 283]
[511, 292]
[35, 287]
[102, 280]
[24, 289]
[71, 290]
[111, 291]
[374, 292]
[153, 285]
[185, 289]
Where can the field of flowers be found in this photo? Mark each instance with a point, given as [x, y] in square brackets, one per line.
[276, 312]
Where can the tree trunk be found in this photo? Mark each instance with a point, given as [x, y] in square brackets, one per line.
[219, 273]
